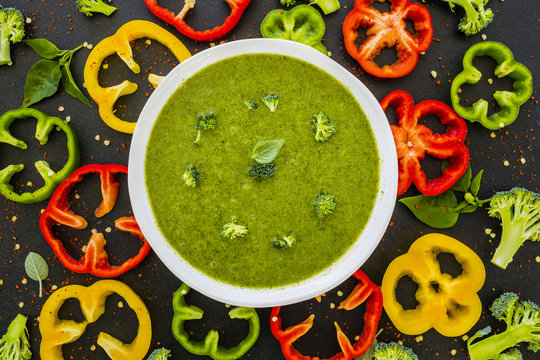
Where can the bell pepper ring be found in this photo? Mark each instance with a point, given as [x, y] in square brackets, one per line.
[413, 141]
[386, 30]
[45, 124]
[119, 43]
[95, 259]
[302, 24]
[55, 332]
[508, 101]
[209, 346]
[365, 291]
[448, 304]
[177, 20]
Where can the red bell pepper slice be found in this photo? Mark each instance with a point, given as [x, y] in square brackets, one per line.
[413, 141]
[237, 9]
[388, 29]
[95, 259]
[365, 291]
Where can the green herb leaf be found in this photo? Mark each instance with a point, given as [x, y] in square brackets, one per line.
[435, 211]
[463, 182]
[71, 87]
[265, 151]
[44, 48]
[469, 209]
[475, 185]
[36, 269]
[42, 81]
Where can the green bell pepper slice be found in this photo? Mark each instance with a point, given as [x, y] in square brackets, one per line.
[209, 346]
[508, 101]
[302, 24]
[45, 124]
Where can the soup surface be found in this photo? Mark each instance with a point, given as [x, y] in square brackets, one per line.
[346, 166]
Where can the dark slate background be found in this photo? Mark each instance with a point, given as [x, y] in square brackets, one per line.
[516, 24]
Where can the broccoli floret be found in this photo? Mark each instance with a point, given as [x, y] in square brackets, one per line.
[271, 102]
[288, 2]
[393, 351]
[512, 354]
[11, 31]
[324, 204]
[476, 16]
[14, 345]
[233, 230]
[192, 176]
[251, 105]
[205, 122]
[160, 354]
[519, 210]
[327, 6]
[323, 127]
[522, 325]
[89, 7]
[284, 242]
[262, 171]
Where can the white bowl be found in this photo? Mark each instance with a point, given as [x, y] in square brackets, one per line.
[319, 283]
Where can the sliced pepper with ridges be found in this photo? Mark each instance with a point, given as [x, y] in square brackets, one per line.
[45, 125]
[413, 141]
[56, 332]
[302, 24]
[209, 346]
[119, 44]
[448, 304]
[58, 212]
[365, 291]
[177, 20]
[507, 101]
[387, 30]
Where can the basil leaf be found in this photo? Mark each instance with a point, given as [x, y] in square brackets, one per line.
[265, 151]
[463, 182]
[475, 185]
[44, 48]
[435, 211]
[42, 81]
[71, 87]
[36, 269]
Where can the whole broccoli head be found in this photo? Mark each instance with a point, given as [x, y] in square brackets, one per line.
[519, 211]
[11, 31]
[14, 344]
[89, 7]
[285, 242]
[271, 102]
[233, 230]
[192, 176]
[160, 354]
[205, 122]
[323, 127]
[522, 325]
[262, 171]
[393, 351]
[476, 16]
[324, 204]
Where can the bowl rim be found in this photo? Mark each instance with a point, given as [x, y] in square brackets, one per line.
[328, 278]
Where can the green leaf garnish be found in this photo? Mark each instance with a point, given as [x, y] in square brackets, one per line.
[265, 151]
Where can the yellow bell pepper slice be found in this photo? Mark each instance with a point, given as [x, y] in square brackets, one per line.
[56, 332]
[448, 304]
[119, 43]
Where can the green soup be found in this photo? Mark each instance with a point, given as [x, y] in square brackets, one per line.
[191, 219]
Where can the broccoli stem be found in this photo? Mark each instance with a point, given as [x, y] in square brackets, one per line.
[468, 6]
[16, 329]
[493, 346]
[511, 240]
[5, 55]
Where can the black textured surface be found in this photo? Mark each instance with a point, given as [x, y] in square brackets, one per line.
[516, 24]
